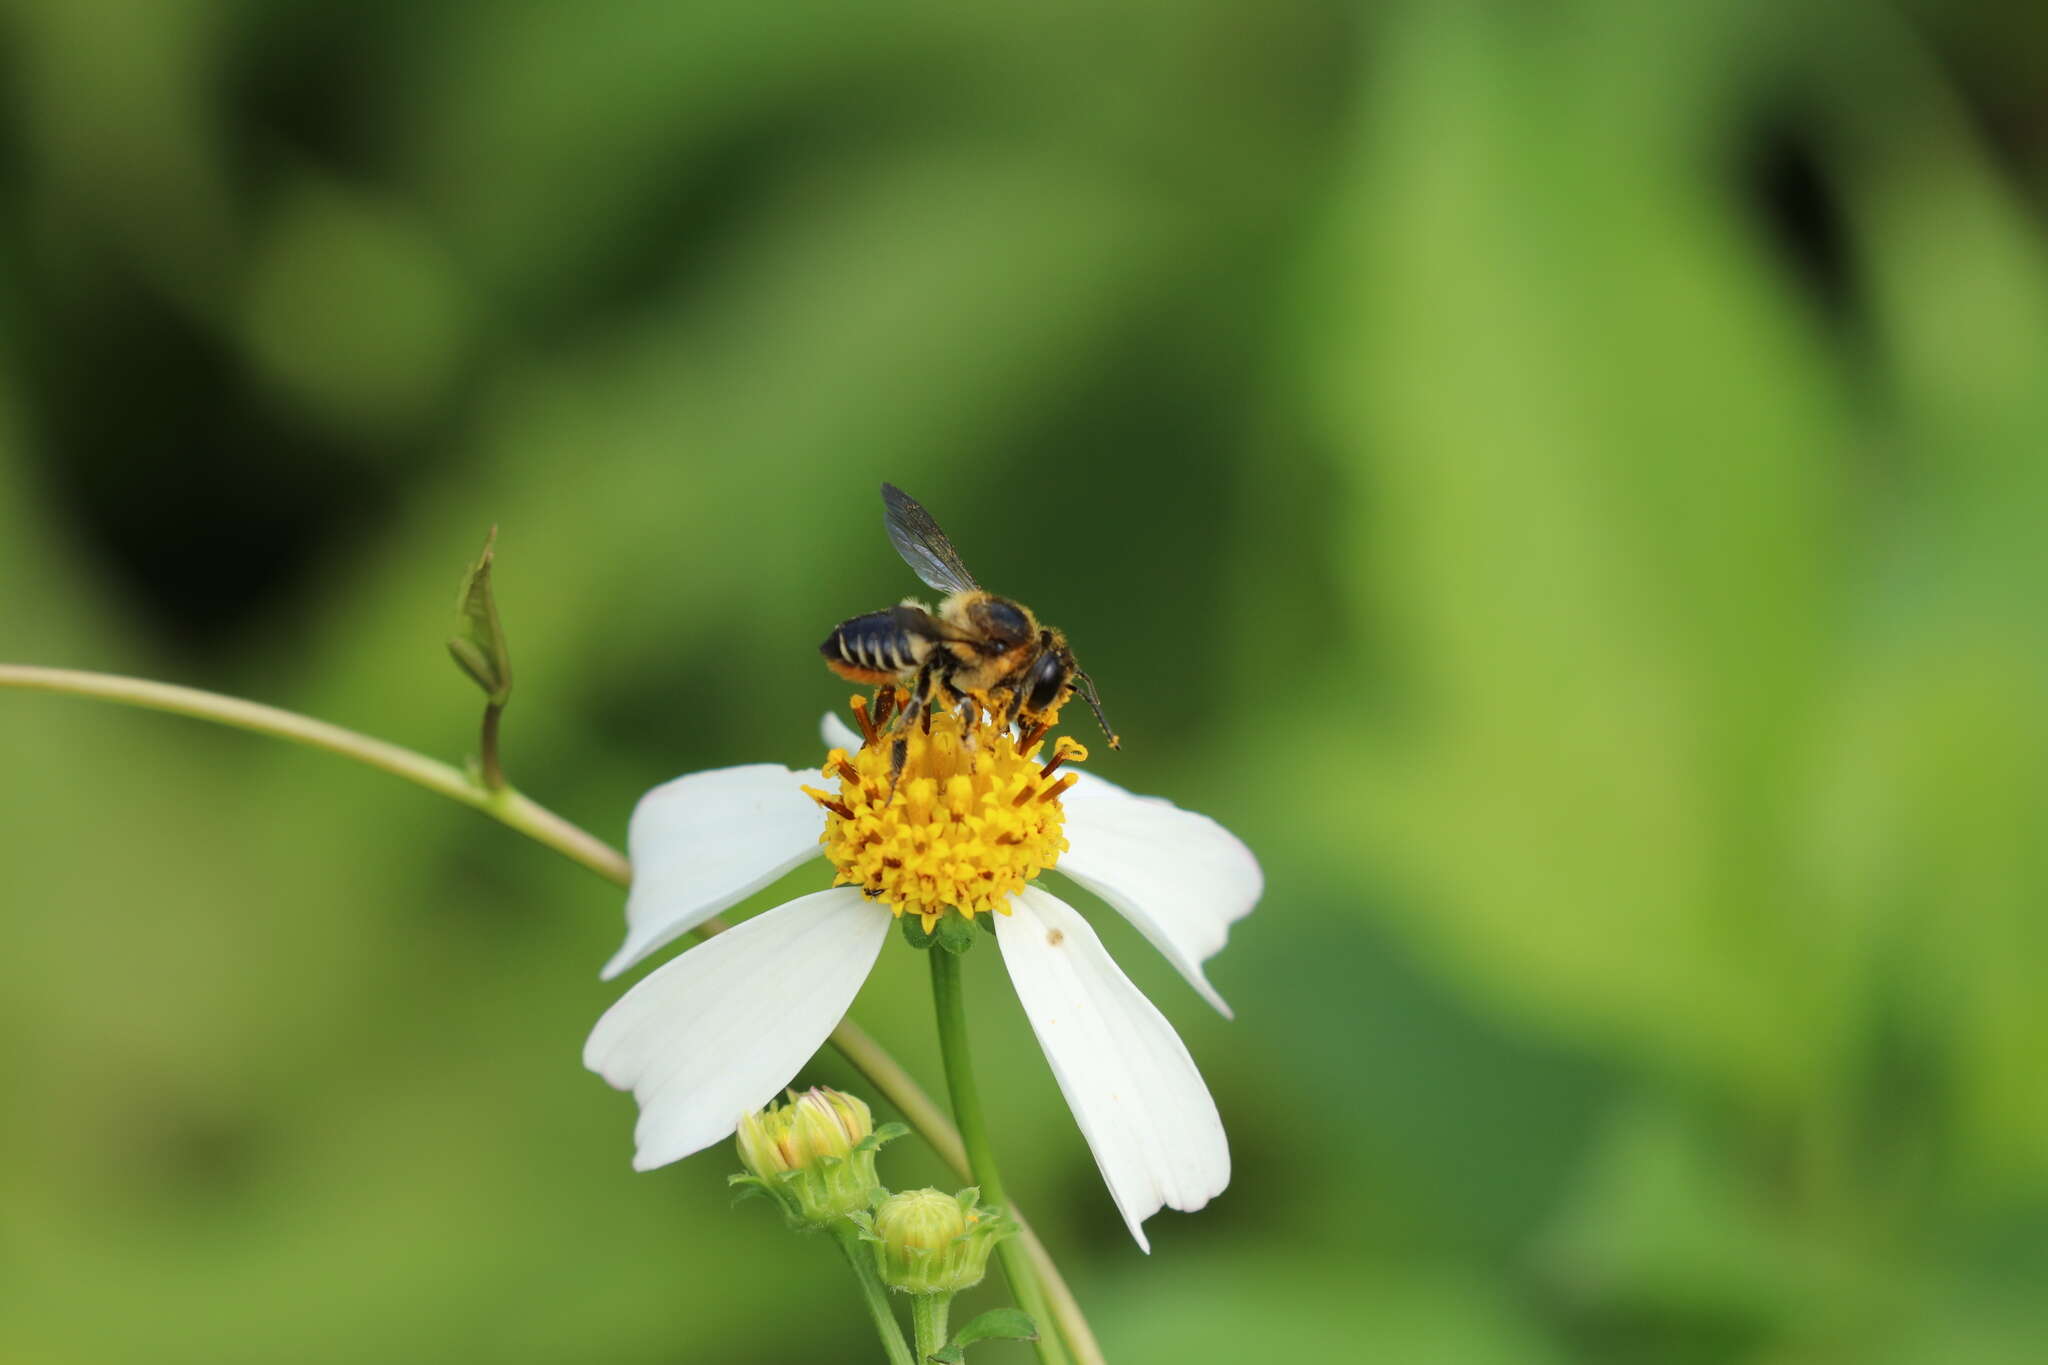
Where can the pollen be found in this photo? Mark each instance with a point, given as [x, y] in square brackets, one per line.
[959, 814]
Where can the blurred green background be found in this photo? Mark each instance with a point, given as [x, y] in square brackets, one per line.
[1565, 482]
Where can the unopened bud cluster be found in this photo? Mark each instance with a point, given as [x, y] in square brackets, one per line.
[815, 1156]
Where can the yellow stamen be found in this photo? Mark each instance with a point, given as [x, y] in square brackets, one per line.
[1059, 788]
[1066, 747]
[967, 821]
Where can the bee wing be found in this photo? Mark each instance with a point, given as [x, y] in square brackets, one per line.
[923, 545]
[918, 621]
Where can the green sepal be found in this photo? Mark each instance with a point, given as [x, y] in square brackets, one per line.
[478, 645]
[780, 1190]
[986, 923]
[753, 1187]
[997, 1324]
[914, 934]
[956, 935]
[888, 1132]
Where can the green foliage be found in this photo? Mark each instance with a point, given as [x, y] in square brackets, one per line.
[997, 1324]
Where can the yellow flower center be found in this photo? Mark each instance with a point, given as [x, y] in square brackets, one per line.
[951, 814]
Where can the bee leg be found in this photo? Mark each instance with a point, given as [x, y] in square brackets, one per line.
[885, 704]
[899, 751]
[916, 702]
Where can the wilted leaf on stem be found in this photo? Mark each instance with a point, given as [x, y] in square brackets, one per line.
[479, 644]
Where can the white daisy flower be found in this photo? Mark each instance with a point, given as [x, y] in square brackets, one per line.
[969, 822]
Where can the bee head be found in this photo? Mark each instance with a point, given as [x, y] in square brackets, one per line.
[1053, 674]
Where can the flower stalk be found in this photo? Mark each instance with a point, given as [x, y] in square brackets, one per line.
[928, 1314]
[949, 1002]
[875, 1295]
[1025, 1260]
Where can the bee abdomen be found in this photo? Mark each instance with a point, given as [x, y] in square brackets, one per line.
[875, 643]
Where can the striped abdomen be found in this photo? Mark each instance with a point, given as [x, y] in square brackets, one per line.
[882, 646]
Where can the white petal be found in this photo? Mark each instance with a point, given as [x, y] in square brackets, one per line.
[838, 734]
[1126, 1074]
[1181, 878]
[707, 841]
[715, 1033]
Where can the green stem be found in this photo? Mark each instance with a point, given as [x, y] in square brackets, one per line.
[512, 808]
[1018, 1266]
[487, 756]
[874, 1295]
[504, 805]
[928, 1314]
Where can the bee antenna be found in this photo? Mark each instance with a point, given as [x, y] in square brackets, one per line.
[1095, 704]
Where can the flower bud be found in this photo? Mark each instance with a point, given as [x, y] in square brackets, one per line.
[928, 1242]
[815, 1154]
[829, 1123]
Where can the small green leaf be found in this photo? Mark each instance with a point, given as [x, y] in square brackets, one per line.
[948, 1355]
[956, 935]
[479, 643]
[997, 1324]
[914, 934]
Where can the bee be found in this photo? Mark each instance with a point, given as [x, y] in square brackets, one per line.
[975, 646]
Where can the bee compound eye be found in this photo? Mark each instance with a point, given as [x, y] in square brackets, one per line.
[1048, 678]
